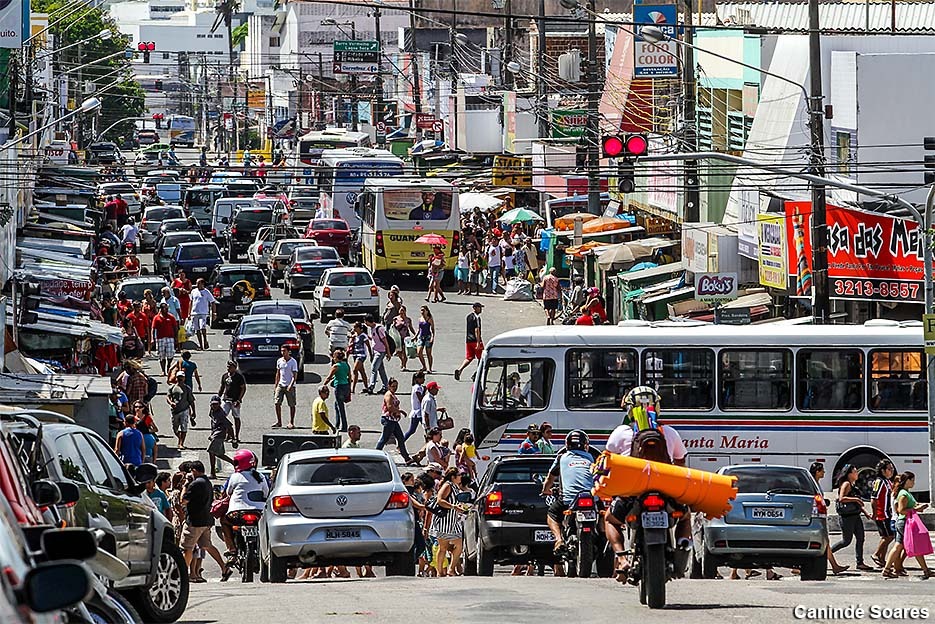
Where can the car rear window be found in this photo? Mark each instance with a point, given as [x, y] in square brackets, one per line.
[255, 215]
[328, 471]
[267, 326]
[199, 252]
[521, 472]
[760, 481]
[119, 188]
[295, 311]
[317, 253]
[351, 278]
[328, 224]
[286, 249]
[136, 290]
[229, 278]
[161, 214]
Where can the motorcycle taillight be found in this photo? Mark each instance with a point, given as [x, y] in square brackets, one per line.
[250, 518]
[654, 502]
[584, 502]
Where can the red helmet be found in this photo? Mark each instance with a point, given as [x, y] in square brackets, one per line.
[244, 460]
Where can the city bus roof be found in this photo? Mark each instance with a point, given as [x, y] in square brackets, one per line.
[358, 153]
[663, 334]
[403, 183]
[334, 133]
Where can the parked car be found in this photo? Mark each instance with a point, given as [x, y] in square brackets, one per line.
[332, 233]
[111, 500]
[256, 343]
[350, 288]
[779, 518]
[508, 523]
[152, 219]
[300, 317]
[236, 287]
[197, 259]
[165, 248]
[103, 153]
[147, 137]
[243, 228]
[336, 507]
[134, 287]
[305, 266]
[126, 191]
[279, 256]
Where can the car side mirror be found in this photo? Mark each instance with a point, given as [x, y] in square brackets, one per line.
[46, 493]
[71, 543]
[54, 586]
[225, 220]
[70, 492]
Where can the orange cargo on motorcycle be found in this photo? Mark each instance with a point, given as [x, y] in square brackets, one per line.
[622, 475]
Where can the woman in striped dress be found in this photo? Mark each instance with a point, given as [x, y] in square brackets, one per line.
[448, 529]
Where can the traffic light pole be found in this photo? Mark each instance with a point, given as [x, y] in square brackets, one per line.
[592, 134]
[692, 210]
[378, 115]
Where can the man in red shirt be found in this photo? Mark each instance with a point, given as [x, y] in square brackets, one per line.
[140, 324]
[588, 319]
[166, 336]
[122, 211]
[110, 211]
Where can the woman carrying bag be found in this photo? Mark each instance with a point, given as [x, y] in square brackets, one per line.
[850, 508]
[912, 536]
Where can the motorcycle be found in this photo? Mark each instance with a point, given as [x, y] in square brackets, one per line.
[245, 525]
[580, 535]
[654, 557]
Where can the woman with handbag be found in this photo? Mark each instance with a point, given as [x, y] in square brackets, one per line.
[850, 508]
[911, 534]
[403, 326]
[448, 521]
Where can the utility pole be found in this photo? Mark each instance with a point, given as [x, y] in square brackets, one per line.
[821, 308]
[378, 82]
[414, 61]
[355, 113]
[205, 134]
[321, 89]
[13, 73]
[540, 73]
[507, 55]
[692, 206]
[593, 128]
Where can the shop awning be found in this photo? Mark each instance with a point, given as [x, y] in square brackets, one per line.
[670, 296]
[68, 322]
[648, 274]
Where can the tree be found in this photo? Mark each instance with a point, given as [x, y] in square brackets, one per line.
[121, 96]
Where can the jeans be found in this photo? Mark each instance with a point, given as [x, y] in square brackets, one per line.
[342, 393]
[493, 277]
[377, 367]
[852, 527]
[391, 429]
[413, 427]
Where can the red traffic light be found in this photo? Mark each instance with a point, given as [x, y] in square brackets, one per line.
[141, 46]
[612, 146]
[158, 116]
[637, 144]
[616, 146]
[150, 46]
[146, 46]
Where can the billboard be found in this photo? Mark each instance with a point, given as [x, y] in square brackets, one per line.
[871, 256]
[655, 60]
[14, 22]
[771, 243]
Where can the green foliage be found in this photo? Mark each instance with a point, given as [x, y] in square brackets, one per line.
[239, 34]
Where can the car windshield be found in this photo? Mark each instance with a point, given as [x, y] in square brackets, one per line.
[316, 253]
[229, 278]
[174, 241]
[521, 472]
[777, 480]
[161, 214]
[267, 326]
[255, 216]
[350, 278]
[208, 251]
[329, 224]
[295, 311]
[340, 471]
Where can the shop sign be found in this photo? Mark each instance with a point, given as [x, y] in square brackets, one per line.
[871, 256]
[715, 287]
[771, 241]
[569, 123]
[65, 288]
[695, 249]
[654, 60]
[512, 171]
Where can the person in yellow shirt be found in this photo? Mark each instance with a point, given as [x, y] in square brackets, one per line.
[321, 424]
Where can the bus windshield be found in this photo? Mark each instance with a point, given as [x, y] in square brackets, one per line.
[417, 205]
[511, 389]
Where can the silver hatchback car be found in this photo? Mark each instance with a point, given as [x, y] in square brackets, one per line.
[779, 518]
[337, 507]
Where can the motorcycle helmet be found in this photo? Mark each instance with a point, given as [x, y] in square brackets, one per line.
[244, 460]
[577, 440]
[641, 395]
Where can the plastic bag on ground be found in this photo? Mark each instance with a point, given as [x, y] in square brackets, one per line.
[518, 289]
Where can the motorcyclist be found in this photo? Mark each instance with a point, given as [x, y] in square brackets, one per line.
[642, 406]
[131, 264]
[129, 234]
[573, 467]
[108, 238]
[247, 490]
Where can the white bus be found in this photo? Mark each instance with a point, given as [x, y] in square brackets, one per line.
[395, 212]
[778, 392]
[310, 147]
[181, 130]
[341, 175]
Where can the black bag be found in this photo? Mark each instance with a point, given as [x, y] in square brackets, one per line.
[849, 508]
[436, 509]
[390, 343]
[152, 389]
[650, 444]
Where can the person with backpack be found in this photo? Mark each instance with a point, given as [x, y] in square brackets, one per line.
[383, 348]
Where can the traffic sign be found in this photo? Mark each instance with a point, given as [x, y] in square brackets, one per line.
[356, 57]
[438, 125]
[381, 132]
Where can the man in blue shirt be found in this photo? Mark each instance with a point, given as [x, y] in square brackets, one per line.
[530, 445]
[572, 467]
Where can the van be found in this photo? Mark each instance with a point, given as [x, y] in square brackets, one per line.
[198, 201]
[221, 216]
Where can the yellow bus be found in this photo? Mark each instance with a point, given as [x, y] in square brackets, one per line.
[394, 212]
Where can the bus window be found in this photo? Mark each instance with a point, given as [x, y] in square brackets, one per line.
[684, 378]
[599, 378]
[897, 381]
[760, 380]
[417, 205]
[830, 379]
[511, 385]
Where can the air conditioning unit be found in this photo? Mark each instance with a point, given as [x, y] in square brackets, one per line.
[569, 66]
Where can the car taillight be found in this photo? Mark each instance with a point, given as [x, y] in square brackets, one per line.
[493, 504]
[584, 502]
[292, 344]
[819, 508]
[326, 292]
[652, 502]
[213, 232]
[297, 268]
[217, 292]
[233, 229]
[455, 243]
[284, 504]
[266, 291]
[250, 518]
[398, 500]
[374, 292]
[243, 345]
[143, 222]
[302, 327]
[379, 244]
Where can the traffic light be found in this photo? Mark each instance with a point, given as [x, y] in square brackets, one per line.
[146, 47]
[626, 176]
[617, 145]
[928, 144]
[28, 303]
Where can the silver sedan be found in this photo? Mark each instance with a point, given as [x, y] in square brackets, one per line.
[337, 507]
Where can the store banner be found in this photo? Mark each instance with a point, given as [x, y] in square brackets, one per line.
[871, 256]
[14, 22]
[771, 241]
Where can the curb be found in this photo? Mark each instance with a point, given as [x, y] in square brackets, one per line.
[834, 523]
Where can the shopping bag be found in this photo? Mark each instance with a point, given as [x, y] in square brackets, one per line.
[916, 539]
[183, 336]
[410, 348]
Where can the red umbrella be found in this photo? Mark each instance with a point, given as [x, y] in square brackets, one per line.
[432, 239]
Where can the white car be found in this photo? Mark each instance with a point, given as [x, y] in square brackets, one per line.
[259, 250]
[350, 288]
[126, 191]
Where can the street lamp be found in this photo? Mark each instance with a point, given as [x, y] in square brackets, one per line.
[105, 35]
[90, 105]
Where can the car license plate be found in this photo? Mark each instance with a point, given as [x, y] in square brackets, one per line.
[586, 516]
[249, 531]
[242, 308]
[543, 536]
[351, 304]
[418, 254]
[225, 292]
[655, 520]
[767, 513]
[267, 348]
[200, 270]
[342, 534]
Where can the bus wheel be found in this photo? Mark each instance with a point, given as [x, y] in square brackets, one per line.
[866, 462]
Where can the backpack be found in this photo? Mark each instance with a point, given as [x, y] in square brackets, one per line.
[650, 444]
[152, 389]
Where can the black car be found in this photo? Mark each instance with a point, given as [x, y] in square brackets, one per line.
[305, 266]
[300, 317]
[103, 153]
[110, 499]
[508, 523]
[256, 343]
[236, 287]
[242, 229]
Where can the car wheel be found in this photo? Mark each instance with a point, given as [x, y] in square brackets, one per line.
[165, 600]
[470, 565]
[285, 287]
[264, 571]
[484, 560]
[814, 568]
[277, 569]
[112, 609]
[301, 374]
[403, 564]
